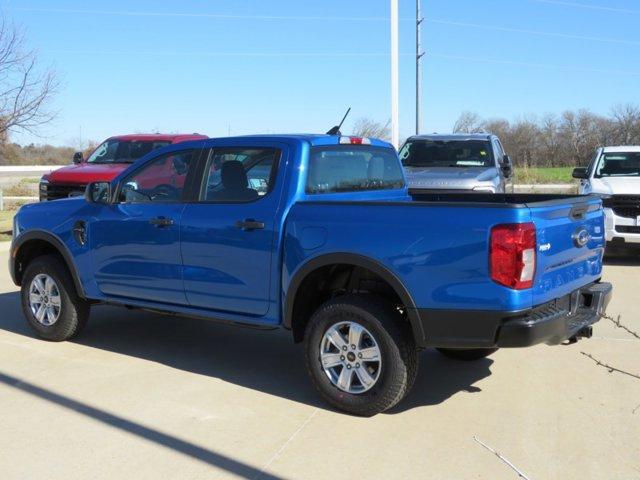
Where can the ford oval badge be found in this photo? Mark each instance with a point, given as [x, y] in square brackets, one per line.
[581, 237]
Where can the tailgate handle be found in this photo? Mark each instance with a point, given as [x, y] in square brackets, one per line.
[577, 212]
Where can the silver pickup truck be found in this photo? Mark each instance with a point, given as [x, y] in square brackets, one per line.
[456, 163]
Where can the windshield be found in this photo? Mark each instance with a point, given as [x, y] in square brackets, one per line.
[348, 168]
[449, 153]
[124, 151]
[619, 164]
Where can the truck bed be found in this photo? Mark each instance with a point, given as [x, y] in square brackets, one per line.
[438, 244]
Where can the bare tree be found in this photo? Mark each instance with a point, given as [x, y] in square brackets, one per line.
[468, 122]
[579, 132]
[626, 120]
[366, 127]
[551, 144]
[525, 141]
[25, 89]
[497, 126]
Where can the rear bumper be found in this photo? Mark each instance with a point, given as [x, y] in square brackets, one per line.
[550, 323]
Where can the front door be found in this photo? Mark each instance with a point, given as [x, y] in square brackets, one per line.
[228, 235]
[135, 242]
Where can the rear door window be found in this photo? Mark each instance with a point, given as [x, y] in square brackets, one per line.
[348, 168]
[239, 175]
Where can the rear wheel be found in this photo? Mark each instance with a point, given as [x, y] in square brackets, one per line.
[50, 302]
[467, 354]
[360, 357]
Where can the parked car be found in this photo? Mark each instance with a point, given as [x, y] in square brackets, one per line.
[105, 163]
[615, 172]
[456, 163]
[318, 234]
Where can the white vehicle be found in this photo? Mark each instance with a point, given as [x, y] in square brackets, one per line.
[615, 171]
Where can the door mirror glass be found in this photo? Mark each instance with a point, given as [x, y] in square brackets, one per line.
[78, 157]
[506, 166]
[98, 192]
[580, 172]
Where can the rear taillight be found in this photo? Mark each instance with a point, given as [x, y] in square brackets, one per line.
[512, 255]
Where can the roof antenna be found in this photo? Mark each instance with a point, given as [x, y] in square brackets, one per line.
[336, 130]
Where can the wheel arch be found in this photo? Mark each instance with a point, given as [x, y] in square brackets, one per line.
[354, 260]
[35, 243]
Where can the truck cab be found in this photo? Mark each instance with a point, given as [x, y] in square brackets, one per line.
[615, 172]
[106, 162]
[456, 163]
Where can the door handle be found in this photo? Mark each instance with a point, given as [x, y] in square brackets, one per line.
[249, 224]
[161, 222]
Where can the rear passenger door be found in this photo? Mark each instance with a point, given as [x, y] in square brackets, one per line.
[228, 232]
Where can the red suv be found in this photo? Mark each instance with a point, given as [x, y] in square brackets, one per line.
[105, 163]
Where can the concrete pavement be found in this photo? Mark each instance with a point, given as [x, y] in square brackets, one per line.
[145, 396]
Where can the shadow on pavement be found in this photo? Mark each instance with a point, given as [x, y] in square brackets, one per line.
[187, 448]
[266, 361]
[440, 377]
[620, 256]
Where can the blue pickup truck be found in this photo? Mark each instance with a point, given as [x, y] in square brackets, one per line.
[317, 234]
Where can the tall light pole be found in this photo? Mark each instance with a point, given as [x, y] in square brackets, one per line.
[419, 55]
[395, 117]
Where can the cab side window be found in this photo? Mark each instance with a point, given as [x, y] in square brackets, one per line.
[238, 175]
[160, 181]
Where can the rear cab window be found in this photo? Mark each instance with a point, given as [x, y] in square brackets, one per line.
[353, 168]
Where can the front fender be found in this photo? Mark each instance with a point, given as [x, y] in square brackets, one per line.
[17, 250]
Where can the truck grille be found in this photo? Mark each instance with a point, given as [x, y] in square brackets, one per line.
[624, 205]
[56, 191]
[627, 229]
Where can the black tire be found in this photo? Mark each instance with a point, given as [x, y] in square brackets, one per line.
[467, 354]
[399, 355]
[74, 311]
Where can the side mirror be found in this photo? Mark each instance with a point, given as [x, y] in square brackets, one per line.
[506, 166]
[580, 172]
[98, 192]
[179, 165]
[78, 157]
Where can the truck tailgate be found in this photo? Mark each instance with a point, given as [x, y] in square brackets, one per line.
[570, 239]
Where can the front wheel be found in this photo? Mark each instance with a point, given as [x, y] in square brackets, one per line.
[360, 355]
[50, 302]
[467, 354]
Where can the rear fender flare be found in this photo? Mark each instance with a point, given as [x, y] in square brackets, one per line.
[358, 261]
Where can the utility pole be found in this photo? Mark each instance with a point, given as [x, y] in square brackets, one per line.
[419, 55]
[395, 117]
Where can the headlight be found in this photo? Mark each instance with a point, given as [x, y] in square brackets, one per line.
[484, 189]
[43, 185]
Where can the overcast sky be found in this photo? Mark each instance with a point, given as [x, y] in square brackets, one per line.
[250, 66]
